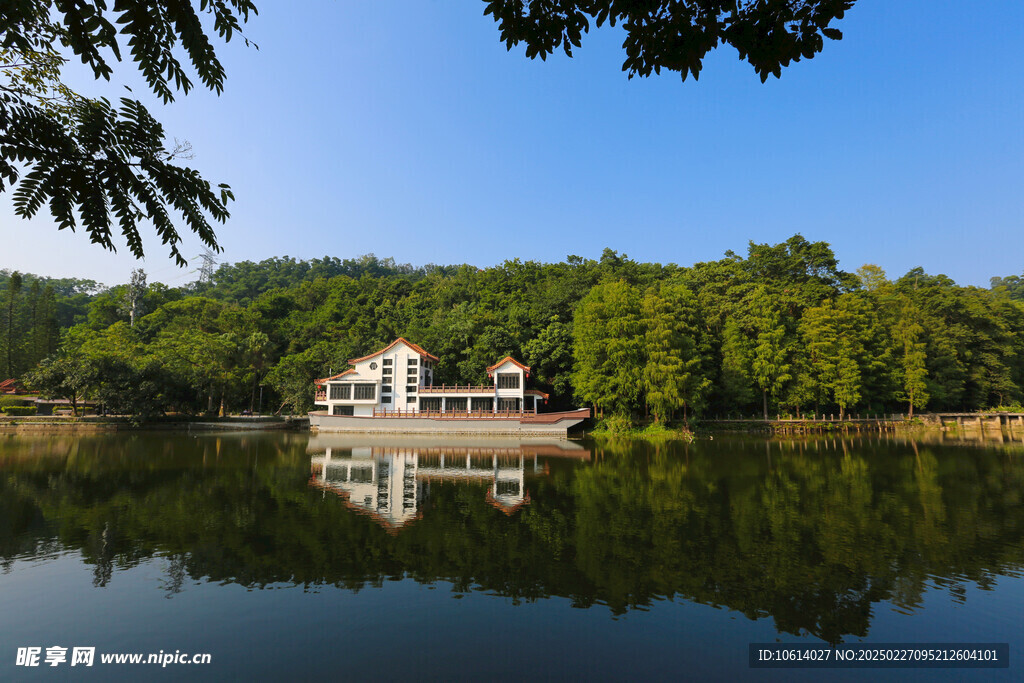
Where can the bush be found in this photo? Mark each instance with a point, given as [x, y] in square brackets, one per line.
[614, 424]
[19, 411]
[6, 401]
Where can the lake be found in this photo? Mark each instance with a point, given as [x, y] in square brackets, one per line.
[290, 556]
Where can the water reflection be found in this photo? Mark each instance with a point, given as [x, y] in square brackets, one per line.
[817, 535]
[391, 483]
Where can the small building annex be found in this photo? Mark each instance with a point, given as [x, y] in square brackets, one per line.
[399, 379]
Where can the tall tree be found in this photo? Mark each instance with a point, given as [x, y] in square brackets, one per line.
[608, 345]
[672, 376]
[11, 333]
[913, 367]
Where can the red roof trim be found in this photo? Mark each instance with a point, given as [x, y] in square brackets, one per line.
[536, 392]
[414, 347]
[340, 374]
[506, 359]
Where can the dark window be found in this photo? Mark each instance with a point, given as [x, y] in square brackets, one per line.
[386, 371]
[432, 403]
[385, 399]
[507, 488]
[508, 380]
[485, 405]
[411, 389]
[385, 388]
[388, 361]
[343, 410]
[508, 405]
[365, 392]
[454, 405]
[410, 399]
[414, 361]
[341, 392]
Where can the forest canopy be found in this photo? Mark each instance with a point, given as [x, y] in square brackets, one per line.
[782, 329]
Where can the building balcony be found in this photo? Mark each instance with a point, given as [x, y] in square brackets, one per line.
[320, 396]
[458, 389]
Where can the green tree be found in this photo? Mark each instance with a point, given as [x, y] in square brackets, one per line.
[676, 36]
[608, 345]
[109, 165]
[913, 368]
[11, 331]
[672, 376]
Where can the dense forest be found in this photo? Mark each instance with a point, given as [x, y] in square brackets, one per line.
[780, 330]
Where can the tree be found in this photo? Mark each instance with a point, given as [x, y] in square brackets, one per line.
[87, 158]
[608, 345]
[672, 375]
[676, 34]
[912, 362]
[133, 295]
[10, 326]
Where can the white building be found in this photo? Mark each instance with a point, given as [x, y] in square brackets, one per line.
[399, 379]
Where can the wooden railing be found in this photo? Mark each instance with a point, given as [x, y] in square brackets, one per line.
[321, 395]
[457, 414]
[458, 388]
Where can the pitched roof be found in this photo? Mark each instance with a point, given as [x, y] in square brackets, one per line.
[536, 392]
[340, 374]
[414, 347]
[506, 359]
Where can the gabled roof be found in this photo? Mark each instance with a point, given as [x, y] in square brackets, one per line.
[507, 509]
[507, 359]
[414, 347]
[340, 374]
[536, 392]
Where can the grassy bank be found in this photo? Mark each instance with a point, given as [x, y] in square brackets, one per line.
[617, 426]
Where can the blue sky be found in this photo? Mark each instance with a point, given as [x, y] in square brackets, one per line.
[405, 129]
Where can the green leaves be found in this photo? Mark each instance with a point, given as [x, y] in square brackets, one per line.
[676, 35]
[90, 163]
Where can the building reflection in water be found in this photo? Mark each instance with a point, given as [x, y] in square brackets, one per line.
[391, 481]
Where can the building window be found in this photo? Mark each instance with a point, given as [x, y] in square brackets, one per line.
[386, 371]
[432, 403]
[385, 388]
[411, 389]
[483, 405]
[410, 399]
[509, 405]
[387, 362]
[341, 392]
[365, 392]
[385, 399]
[454, 405]
[343, 410]
[508, 380]
[414, 361]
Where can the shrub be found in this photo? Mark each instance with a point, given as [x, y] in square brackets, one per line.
[6, 401]
[19, 411]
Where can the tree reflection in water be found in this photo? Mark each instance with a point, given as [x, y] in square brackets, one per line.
[813, 534]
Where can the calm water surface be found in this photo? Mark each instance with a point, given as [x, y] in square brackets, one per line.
[294, 557]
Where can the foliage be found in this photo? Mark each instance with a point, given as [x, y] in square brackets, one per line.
[666, 34]
[781, 329]
[107, 164]
[18, 411]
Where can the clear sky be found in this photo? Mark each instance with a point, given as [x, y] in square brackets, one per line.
[404, 128]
